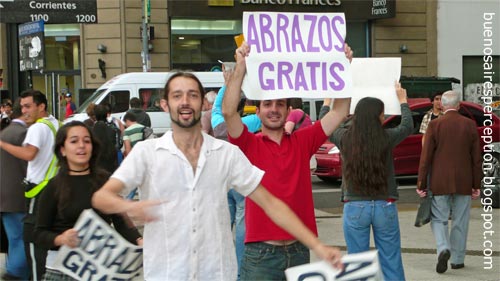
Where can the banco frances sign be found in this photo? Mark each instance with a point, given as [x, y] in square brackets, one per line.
[50, 11]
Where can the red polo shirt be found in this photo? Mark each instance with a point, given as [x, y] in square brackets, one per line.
[287, 176]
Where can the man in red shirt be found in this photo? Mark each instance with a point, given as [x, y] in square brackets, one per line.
[70, 105]
[269, 250]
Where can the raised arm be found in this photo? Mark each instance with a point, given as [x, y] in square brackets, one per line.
[233, 93]
[336, 116]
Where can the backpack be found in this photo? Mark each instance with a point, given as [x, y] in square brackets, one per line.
[147, 133]
[118, 141]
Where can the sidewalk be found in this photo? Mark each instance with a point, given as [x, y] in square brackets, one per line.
[419, 248]
[418, 245]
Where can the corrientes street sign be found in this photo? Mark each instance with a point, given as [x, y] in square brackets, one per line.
[50, 11]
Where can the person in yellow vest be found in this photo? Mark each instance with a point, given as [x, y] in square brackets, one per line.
[37, 149]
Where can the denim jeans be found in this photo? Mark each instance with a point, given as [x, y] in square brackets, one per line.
[268, 262]
[237, 211]
[456, 240]
[381, 216]
[16, 263]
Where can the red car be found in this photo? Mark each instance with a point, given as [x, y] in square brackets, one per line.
[407, 153]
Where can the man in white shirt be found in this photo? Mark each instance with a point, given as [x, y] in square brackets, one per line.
[38, 149]
[184, 177]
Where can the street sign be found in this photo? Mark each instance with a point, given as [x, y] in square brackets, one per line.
[31, 46]
[50, 11]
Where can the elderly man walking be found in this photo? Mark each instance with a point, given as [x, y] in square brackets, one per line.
[452, 156]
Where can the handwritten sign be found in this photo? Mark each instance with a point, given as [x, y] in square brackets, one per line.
[296, 55]
[362, 266]
[376, 77]
[102, 254]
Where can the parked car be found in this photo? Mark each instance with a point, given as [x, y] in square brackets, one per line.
[407, 153]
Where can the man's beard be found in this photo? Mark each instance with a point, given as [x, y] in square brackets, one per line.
[191, 124]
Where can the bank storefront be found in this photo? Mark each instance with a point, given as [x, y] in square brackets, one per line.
[202, 33]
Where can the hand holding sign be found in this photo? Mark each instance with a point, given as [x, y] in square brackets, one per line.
[401, 93]
[68, 238]
[329, 254]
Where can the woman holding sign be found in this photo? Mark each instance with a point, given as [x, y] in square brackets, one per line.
[70, 192]
[369, 186]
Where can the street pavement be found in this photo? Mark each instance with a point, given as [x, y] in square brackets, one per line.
[419, 248]
[418, 244]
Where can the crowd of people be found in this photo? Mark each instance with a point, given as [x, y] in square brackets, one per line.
[251, 171]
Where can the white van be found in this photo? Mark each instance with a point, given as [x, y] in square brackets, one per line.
[148, 87]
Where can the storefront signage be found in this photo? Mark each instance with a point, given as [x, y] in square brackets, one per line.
[296, 55]
[31, 46]
[50, 11]
[294, 2]
[359, 10]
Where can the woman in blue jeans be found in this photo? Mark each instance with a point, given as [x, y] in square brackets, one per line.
[368, 182]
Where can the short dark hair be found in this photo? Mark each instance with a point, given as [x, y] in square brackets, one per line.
[135, 102]
[130, 117]
[38, 97]
[435, 94]
[100, 112]
[185, 75]
[16, 110]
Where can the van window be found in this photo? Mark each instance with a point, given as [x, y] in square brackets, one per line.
[92, 99]
[117, 100]
[150, 98]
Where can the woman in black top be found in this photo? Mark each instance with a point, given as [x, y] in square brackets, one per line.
[70, 192]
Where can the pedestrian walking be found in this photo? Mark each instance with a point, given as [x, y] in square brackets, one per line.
[451, 156]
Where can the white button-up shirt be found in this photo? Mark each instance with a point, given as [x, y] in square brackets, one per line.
[192, 239]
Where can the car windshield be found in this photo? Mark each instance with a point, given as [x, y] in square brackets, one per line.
[92, 99]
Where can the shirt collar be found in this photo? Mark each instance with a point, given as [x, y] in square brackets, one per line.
[167, 142]
[451, 109]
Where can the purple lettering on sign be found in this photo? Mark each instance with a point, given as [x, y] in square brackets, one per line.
[282, 25]
[252, 35]
[284, 70]
[266, 84]
[313, 66]
[324, 81]
[310, 39]
[266, 23]
[340, 20]
[300, 79]
[324, 23]
[297, 36]
[341, 84]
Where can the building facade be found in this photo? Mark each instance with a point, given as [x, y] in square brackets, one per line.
[196, 34]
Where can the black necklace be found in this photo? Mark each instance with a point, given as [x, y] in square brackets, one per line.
[79, 171]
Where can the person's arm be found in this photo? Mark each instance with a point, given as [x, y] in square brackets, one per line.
[289, 125]
[26, 153]
[336, 116]
[128, 146]
[405, 127]
[325, 108]
[284, 217]
[108, 201]
[233, 93]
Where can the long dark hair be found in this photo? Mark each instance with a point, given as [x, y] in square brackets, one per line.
[61, 180]
[365, 147]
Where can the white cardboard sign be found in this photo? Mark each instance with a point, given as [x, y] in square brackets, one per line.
[102, 254]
